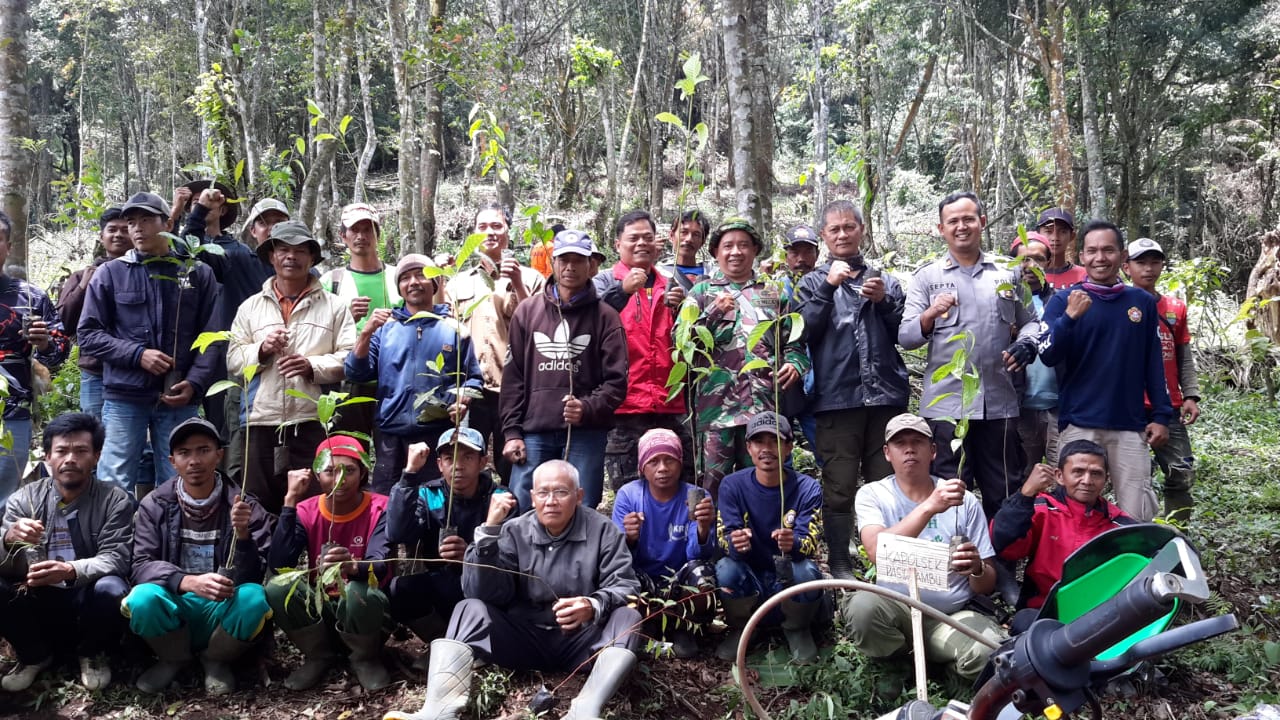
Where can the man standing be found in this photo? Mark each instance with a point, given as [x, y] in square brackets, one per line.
[1059, 231]
[199, 555]
[485, 298]
[407, 354]
[113, 233]
[646, 301]
[913, 503]
[731, 304]
[297, 337]
[688, 233]
[567, 373]
[546, 591]
[29, 329]
[1038, 421]
[770, 525]
[851, 315]
[1144, 267]
[140, 318]
[1104, 339]
[66, 543]
[970, 301]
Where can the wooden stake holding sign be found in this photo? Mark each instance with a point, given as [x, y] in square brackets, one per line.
[920, 565]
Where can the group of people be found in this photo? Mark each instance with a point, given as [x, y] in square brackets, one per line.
[470, 396]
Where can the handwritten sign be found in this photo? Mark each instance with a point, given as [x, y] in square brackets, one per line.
[896, 555]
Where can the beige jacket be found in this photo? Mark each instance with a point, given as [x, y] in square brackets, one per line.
[320, 328]
[490, 321]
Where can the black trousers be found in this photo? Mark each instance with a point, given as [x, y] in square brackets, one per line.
[39, 621]
[993, 458]
[518, 644]
[415, 596]
[267, 477]
[482, 415]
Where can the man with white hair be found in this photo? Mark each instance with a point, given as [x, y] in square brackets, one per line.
[545, 591]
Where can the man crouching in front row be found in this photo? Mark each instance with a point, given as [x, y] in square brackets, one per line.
[564, 604]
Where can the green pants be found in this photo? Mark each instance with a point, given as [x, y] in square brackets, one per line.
[880, 627]
[358, 609]
[154, 611]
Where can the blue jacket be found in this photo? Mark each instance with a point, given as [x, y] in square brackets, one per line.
[399, 353]
[133, 305]
[1105, 360]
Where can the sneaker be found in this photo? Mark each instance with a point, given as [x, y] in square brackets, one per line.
[21, 677]
[95, 673]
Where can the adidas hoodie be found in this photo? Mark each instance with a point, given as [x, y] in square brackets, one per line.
[562, 347]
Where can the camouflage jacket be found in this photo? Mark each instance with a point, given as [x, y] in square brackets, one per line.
[726, 398]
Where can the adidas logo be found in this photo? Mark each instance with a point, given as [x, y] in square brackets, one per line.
[560, 350]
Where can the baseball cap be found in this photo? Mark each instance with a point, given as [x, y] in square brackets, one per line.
[355, 212]
[411, 263]
[1144, 246]
[342, 446]
[1032, 236]
[769, 422]
[905, 422]
[229, 210]
[262, 206]
[465, 436]
[112, 213]
[574, 242]
[194, 426]
[290, 232]
[730, 224]
[1056, 214]
[659, 441]
[150, 202]
[801, 234]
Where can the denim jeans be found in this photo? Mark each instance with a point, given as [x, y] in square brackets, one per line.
[128, 425]
[14, 462]
[737, 579]
[586, 452]
[91, 393]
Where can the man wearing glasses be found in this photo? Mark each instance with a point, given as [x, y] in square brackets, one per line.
[546, 591]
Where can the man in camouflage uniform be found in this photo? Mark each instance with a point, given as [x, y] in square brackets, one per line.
[731, 304]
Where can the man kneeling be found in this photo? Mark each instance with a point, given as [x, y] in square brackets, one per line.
[545, 591]
[913, 503]
[184, 598]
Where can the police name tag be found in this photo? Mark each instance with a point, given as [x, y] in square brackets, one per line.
[896, 555]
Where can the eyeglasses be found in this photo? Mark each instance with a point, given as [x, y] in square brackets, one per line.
[558, 494]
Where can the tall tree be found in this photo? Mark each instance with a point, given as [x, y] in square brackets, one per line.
[15, 124]
[746, 26]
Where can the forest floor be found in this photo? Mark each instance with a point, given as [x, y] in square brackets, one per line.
[1236, 529]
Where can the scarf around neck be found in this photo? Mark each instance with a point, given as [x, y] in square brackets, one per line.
[200, 510]
[1104, 292]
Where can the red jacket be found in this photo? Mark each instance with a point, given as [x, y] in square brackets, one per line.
[648, 322]
[1047, 529]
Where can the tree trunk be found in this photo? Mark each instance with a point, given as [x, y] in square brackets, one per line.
[432, 134]
[1092, 141]
[404, 97]
[818, 97]
[202, 62]
[1049, 42]
[15, 124]
[745, 26]
[308, 200]
[370, 130]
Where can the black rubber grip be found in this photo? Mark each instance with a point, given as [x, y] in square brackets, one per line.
[1133, 608]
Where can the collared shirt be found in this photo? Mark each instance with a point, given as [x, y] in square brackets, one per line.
[990, 309]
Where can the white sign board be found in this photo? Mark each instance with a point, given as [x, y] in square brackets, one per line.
[896, 555]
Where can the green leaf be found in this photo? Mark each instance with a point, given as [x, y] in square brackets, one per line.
[797, 327]
[300, 145]
[323, 137]
[693, 66]
[1271, 649]
[323, 458]
[757, 333]
[239, 173]
[220, 386]
[296, 393]
[313, 109]
[670, 119]
[469, 246]
[756, 364]
[939, 399]
[342, 125]
[205, 339]
[677, 374]
[475, 128]
[355, 401]
[326, 405]
[250, 371]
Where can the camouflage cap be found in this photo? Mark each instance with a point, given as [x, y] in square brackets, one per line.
[730, 224]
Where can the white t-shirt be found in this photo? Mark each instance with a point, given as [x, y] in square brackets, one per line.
[883, 503]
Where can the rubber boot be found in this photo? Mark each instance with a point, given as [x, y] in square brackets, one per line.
[448, 683]
[219, 678]
[737, 611]
[838, 527]
[174, 651]
[1178, 505]
[427, 628]
[797, 625]
[613, 664]
[317, 656]
[366, 661]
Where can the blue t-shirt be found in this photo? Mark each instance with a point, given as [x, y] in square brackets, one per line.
[668, 535]
[1042, 382]
[745, 503]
